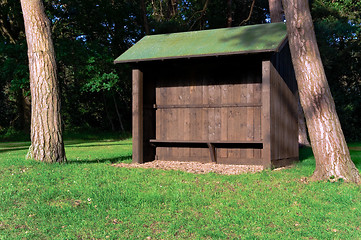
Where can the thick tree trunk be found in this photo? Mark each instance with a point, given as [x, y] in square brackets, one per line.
[332, 156]
[46, 134]
[275, 7]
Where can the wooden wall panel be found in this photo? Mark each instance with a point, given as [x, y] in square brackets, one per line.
[206, 105]
[284, 134]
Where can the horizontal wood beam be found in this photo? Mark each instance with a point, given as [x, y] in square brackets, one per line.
[207, 105]
[206, 141]
[220, 160]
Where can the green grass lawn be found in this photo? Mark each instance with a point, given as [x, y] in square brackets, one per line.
[88, 198]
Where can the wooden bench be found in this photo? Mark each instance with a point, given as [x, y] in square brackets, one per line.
[212, 145]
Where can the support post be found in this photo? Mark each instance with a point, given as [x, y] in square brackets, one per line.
[137, 108]
[266, 114]
[212, 151]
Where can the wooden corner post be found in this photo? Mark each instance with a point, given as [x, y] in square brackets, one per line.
[266, 113]
[137, 109]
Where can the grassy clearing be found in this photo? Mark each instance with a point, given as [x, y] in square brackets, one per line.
[88, 198]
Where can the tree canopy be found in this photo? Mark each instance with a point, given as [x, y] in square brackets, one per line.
[89, 35]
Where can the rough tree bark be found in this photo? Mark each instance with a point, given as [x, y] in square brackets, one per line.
[276, 12]
[46, 134]
[332, 156]
[275, 8]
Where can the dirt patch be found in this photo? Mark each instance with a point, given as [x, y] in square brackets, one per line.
[194, 167]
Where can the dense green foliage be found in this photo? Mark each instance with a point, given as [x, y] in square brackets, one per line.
[338, 28]
[89, 35]
[90, 199]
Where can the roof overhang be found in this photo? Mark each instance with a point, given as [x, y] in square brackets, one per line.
[253, 39]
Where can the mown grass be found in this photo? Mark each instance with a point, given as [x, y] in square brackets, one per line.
[88, 198]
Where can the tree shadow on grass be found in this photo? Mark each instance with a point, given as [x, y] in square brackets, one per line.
[103, 160]
[96, 145]
[13, 149]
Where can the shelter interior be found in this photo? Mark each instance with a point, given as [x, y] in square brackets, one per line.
[230, 109]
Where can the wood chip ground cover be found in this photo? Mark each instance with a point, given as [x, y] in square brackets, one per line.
[194, 167]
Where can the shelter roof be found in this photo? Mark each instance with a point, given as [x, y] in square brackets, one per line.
[216, 42]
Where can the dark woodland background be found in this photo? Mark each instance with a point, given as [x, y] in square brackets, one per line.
[89, 35]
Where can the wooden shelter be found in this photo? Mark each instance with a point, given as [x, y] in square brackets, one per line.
[224, 96]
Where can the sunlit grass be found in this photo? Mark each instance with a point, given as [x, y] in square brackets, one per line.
[88, 198]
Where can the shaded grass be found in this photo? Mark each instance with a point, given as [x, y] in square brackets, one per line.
[88, 198]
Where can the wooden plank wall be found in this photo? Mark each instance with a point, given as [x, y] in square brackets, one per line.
[283, 64]
[284, 130]
[209, 103]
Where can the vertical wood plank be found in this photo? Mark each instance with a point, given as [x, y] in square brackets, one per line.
[197, 117]
[250, 112]
[266, 120]
[164, 119]
[186, 126]
[223, 153]
[205, 111]
[257, 130]
[173, 130]
[137, 117]
[231, 114]
[158, 111]
[244, 96]
[180, 116]
[211, 111]
[237, 89]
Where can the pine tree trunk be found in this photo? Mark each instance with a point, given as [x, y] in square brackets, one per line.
[46, 134]
[145, 19]
[275, 8]
[332, 156]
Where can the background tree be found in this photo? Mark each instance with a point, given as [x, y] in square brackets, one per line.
[275, 9]
[46, 134]
[338, 30]
[328, 143]
[14, 76]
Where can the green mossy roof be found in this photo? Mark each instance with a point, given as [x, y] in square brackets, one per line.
[224, 41]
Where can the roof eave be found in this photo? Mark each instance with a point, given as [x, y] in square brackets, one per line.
[279, 47]
[282, 44]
